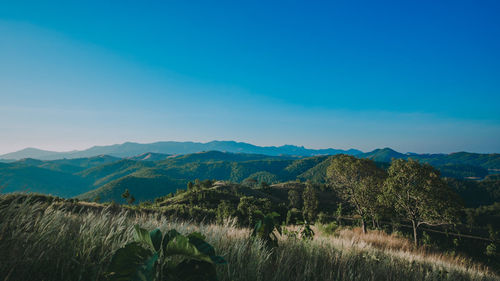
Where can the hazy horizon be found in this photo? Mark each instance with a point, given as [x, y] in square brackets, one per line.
[416, 77]
[270, 145]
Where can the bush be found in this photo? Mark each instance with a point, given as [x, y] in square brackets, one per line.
[329, 228]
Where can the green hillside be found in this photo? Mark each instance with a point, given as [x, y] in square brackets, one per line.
[142, 188]
[34, 179]
[103, 174]
[382, 155]
[106, 177]
[487, 161]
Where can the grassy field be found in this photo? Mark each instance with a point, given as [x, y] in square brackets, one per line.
[50, 241]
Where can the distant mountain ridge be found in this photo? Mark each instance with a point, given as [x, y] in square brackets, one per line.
[131, 149]
[486, 161]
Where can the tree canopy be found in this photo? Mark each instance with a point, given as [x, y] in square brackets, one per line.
[417, 193]
[359, 182]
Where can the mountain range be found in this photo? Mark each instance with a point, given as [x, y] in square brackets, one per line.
[131, 149]
[156, 169]
[150, 175]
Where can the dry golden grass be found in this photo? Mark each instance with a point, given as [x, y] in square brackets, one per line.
[47, 242]
[397, 246]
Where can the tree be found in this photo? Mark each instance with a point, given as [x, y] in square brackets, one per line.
[128, 197]
[224, 211]
[125, 194]
[251, 182]
[338, 214]
[293, 216]
[359, 182]
[206, 183]
[190, 185]
[251, 209]
[310, 199]
[418, 193]
[293, 199]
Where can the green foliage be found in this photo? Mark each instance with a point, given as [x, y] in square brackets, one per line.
[426, 238]
[127, 196]
[250, 209]
[418, 194]
[310, 199]
[306, 233]
[264, 229]
[293, 199]
[491, 250]
[460, 171]
[225, 210]
[338, 214]
[170, 257]
[322, 218]
[263, 176]
[328, 228]
[293, 216]
[359, 182]
[476, 193]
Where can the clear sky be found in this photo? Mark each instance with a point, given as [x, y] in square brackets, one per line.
[420, 76]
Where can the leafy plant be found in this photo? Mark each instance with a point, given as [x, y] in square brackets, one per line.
[264, 229]
[173, 256]
[291, 234]
[307, 233]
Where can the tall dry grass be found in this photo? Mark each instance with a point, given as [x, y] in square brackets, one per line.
[46, 242]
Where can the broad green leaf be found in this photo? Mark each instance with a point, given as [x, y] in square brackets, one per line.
[180, 246]
[142, 235]
[130, 263]
[147, 271]
[171, 234]
[257, 228]
[201, 245]
[204, 247]
[198, 235]
[155, 236]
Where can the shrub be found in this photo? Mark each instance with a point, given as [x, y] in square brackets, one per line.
[173, 256]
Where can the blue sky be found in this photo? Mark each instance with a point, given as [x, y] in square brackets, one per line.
[416, 76]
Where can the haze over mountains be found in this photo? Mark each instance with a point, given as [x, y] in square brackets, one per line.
[131, 149]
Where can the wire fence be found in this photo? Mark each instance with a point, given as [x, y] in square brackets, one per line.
[460, 235]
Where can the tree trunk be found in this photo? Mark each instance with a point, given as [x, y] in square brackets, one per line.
[373, 223]
[363, 225]
[415, 235]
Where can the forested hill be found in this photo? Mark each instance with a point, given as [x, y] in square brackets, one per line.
[151, 175]
[486, 161]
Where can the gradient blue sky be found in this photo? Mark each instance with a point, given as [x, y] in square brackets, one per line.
[421, 76]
